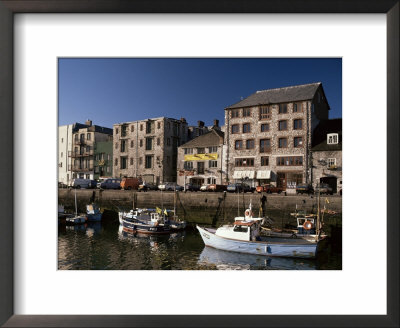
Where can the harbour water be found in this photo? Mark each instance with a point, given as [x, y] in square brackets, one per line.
[100, 246]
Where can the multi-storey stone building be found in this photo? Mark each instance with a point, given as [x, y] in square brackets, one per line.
[84, 142]
[201, 160]
[148, 148]
[269, 135]
[103, 163]
[327, 154]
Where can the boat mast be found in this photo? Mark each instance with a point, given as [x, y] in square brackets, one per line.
[76, 207]
[318, 219]
[175, 202]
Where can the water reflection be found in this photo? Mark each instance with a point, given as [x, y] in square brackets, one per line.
[224, 260]
[100, 246]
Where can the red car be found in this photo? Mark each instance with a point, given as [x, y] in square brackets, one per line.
[269, 189]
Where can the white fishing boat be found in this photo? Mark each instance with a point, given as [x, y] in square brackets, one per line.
[77, 219]
[244, 237]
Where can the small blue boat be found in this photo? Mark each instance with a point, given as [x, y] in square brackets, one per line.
[93, 213]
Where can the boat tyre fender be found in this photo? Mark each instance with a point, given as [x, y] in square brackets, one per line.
[248, 213]
[307, 225]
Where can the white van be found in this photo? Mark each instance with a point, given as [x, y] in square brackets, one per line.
[80, 183]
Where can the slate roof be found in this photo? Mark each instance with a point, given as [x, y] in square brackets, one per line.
[319, 141]
[279, 95]
[211, 138]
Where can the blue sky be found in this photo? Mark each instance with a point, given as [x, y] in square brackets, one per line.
[114, 90]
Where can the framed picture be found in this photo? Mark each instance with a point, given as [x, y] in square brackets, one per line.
[13, 172]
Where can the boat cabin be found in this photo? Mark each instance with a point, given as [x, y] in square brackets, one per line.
[306, 225]
[241, 230]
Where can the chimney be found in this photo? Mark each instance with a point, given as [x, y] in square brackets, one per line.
[88, 122]
[200, 124]
[183, 120]
[216, 123]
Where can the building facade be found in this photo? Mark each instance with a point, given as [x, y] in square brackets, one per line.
[269, 135]
[103, 163]
[201, 160]
[65, 142]
[82, 160]
[148, 148]
[327, 155]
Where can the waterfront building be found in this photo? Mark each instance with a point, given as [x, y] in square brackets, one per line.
[84, 142]
[269, 135]
[326, 154]
[65, 133]
[148, 148]
[103, 163]
[196, 131]
[201, 160]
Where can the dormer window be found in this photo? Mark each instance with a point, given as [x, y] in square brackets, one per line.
[333, 139]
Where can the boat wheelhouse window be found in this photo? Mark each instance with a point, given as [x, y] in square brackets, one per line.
[240, 229]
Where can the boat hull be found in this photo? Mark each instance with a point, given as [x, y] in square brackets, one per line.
[133, 227]
[94, 217]
[282, 248]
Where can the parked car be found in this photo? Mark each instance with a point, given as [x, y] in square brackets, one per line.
[239, 187]
[92, 184]
[304, 188]
[130, 183]
[192, 187]
[110, 184]
[324, 188]
[170, 186]
[146, 186]
[204, 187]
[269, 188]
[80, 183]
[216, 187]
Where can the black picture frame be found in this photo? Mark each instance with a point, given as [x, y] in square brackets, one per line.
[7, 10]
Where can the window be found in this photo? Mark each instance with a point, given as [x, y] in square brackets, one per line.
[116, 162]
[234, 113]
[238, 144]
[131, 143]
[265, 113]
[298, 141]
[141, 127]
[212, 164]
[140, 160]
[116, 145]
[158, 141]
[298, 124]
[264, 160]
[333, 138]
[331, 162]
[297, 108]
[124, 129]
[282, 143]
[141, 143]
[201, 150]
[235, 128]
[124, 162]
[149, 161]
[148, 127]
[265, 145]
[61, 154]
[116, 130]
[123, 146]
[246, 128]
[211, 180]
[200, 167]
[158, 125]
[282, 108]
[62, 140]
[88, 136]
[188, 165]
[244, 162]
[265, 127]
[250, 144]
[188, 151]
[88, 149]
[132, 128]
[149, 143]
[246, 112]
[289, 161]
[282, 125]
[213, 149]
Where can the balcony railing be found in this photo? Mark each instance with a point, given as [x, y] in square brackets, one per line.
[77, 168]
[74, 154]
